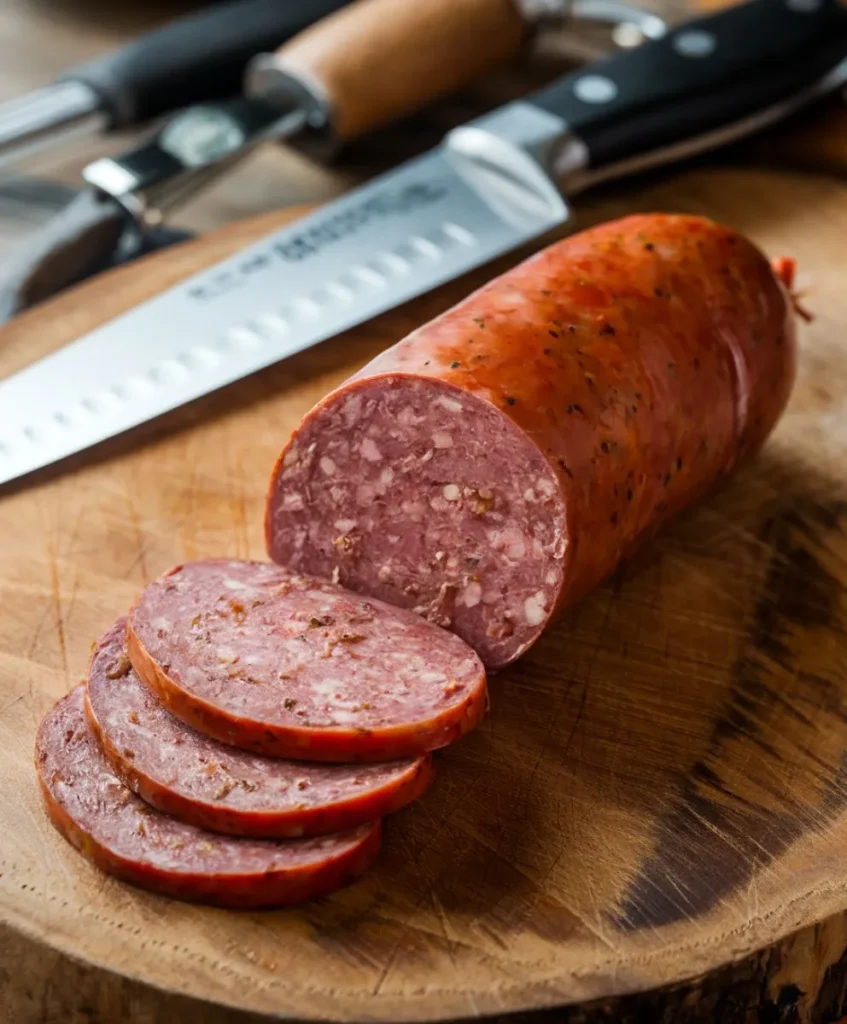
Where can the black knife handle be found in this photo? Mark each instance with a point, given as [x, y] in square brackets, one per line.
[700, 78]
[200, 57]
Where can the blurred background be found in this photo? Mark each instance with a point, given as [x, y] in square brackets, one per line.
[40, 39]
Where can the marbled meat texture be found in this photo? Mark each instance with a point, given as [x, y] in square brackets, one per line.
[496, 464]
[290, 666]
[125, 837]
[219, 787]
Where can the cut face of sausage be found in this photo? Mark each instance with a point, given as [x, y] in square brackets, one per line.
[117, 830]
[223, 789]
[290, 666]
[430, 498]
[496, 464]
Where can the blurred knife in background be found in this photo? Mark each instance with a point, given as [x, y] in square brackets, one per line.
[493, 185]
[191, 60]
[366, 66]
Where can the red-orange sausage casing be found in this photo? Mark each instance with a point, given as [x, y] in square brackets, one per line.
[497, 463]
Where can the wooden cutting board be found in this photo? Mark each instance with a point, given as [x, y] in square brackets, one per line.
[650, 825]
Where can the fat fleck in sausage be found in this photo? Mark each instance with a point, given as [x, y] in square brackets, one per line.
[286, 665]
[496, 464]
[218, 787]
[115, 829]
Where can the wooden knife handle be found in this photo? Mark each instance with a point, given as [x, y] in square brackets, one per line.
[378, 61]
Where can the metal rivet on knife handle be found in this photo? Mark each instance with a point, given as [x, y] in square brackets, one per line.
[379, 60]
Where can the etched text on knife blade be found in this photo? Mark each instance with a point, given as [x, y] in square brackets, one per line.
[423, 224]
[313, 239]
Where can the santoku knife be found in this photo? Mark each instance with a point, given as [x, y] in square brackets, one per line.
[492, 185]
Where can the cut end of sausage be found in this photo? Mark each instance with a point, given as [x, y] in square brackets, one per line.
[125, 837]
[287, 665]
[223, 789]
[427, 497]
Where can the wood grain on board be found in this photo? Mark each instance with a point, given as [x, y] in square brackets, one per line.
[650, 825]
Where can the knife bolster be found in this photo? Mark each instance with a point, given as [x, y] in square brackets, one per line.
[294, 89]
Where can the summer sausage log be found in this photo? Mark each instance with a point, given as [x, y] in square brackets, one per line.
[218, 787]
[117, 830]
[500, 461]
[286, 665]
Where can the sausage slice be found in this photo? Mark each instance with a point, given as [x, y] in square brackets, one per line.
[115, 829]
[265, 659]
[219, 787]
[496, 464]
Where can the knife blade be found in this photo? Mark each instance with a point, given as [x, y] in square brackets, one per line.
[493, 184]
[359, 69]
[193, 59]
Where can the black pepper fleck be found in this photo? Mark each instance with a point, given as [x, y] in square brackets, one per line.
[510, 400]
[455, 364]
[553, 334]
[613, 519]
[607, 329]
[649, 246]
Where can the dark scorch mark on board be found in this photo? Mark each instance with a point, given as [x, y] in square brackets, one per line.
[719, 834]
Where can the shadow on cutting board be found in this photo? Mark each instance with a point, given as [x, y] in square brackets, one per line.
[664, 744]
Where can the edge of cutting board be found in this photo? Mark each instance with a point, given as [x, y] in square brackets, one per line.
[651, 822]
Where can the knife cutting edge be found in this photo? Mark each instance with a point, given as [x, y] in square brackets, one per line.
[193, 59]
[356, 70]
[493, 185]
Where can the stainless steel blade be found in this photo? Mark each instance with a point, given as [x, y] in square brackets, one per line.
[480, 194]
[47, 117]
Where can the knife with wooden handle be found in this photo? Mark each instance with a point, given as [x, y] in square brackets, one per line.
[378, 61]
[359, 69]
[195, 59]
